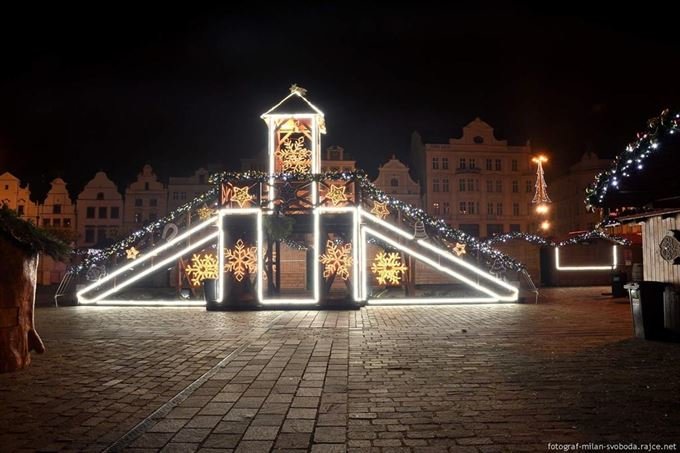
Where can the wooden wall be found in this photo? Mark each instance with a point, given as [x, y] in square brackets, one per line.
[656, 268]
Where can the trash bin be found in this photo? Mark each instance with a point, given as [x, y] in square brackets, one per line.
[618, 282]
[210, 290]
[646, 304]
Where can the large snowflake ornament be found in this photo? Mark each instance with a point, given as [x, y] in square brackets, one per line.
[337, 260]
[387, 268]
[295, 158]
[240, 259]
[202, 267]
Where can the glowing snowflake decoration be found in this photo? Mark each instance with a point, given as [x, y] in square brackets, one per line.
[337, 195]
[203, 266]
[132, 253]
[240, 259]
[204, 213]
[337, 260]
[241, 196]
[387, 267]
[295, 158]
[459, 249]
[380, 210]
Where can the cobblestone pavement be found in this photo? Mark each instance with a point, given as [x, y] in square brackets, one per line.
[470, 378]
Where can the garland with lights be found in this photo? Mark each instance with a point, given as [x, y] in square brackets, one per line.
[631, 161]
[541, 241]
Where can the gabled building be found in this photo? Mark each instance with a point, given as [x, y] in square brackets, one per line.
[334, 158]
[99, 212]
[394, 179]
[479, 184]
[182, 189]
[17, 198]
[145, 200]
[58, 211]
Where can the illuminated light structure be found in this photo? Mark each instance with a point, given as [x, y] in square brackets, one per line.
[613, 265]
[322, 208]
[541, 198]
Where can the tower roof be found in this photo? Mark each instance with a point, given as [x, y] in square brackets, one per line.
[294, 103]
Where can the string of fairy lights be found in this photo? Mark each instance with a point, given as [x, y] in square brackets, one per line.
[632, 160]
[434, 227]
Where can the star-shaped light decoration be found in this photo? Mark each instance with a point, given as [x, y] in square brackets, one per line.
[387, 268]
[241, 196]
[337, 260]
[132, 253]
[380, 210]
[240, 259]
[204, 212]
[337, 194]
[203, 266]
[459, 249]
[294, 88]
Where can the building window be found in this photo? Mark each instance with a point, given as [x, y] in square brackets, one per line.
[138, 217]
[115, 212]
[435, 185]
[89, 235]
[489, 185]
[138, 202]
[89, 214]
[515, 209]
[499, 186]
[146, 186]
[478, 139]
[435, 207]
[445, 163]
[488, 164]
[46, 222]
[461, 164]
[56, 223]
[461, 207]
[493, 229]
[470, 185]
[56, 209]
[471, 207]
[473, 163]
[153, 202]
[102, 212]
[515, 186]
[100, 195]
[447, 209]
[489, 208]
[445, 185]
[67, 223]
[435, 163]
[514, 228]
[461, 185]
[498, 165]
[499, 208]
[6, 186]
[514, 164]
[175, 195]
[20, 210]
[528, 187]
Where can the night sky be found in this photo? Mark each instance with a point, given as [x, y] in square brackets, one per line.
[86, 90]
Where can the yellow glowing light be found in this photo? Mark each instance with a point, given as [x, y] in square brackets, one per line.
[387, 267]
[337, 194]
[380, 210]
[241, 196]
[240, 259]
[542, 209]
[337, 260]
[459, 249]
[132, 253]
[205, 212]
[203, 266]
[294, 156]
[545, 225]
[540, 158]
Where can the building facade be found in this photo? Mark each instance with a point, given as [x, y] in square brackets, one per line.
[567, 192]
[182, 189]
[58, 210]
[17, 198]
[334, 158]
[99, 212]
[480, 184]
[394, 179]
[146, 200]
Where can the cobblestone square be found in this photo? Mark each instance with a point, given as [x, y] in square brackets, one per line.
[466, 378]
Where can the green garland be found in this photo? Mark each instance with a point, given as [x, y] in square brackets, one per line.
[30, 238]
[632, 160]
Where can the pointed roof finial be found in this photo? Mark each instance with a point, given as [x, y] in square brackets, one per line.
[295, 89]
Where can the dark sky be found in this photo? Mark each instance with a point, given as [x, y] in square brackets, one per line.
[88, 89]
